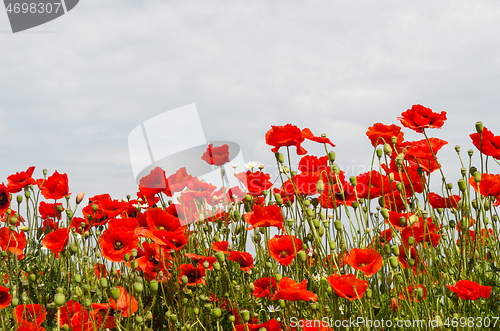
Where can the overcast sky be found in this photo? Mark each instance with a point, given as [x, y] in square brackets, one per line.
[73, 89]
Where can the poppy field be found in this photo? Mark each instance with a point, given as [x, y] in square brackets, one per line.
[308, 250]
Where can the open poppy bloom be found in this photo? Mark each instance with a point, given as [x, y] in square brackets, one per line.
[372, 185]
[314, 164]
[20, 180]
[56, 241]
[489, 186]
[264, 287]
[490, 144]
[284, 248]
[255, 182]
[271, 325]
[5, 297]
[411, 293]
[47, 210]
[15, 243]
[4, 198]
[422, 150]
[348, 286]
[368, 260]
[420, 117]
[243, 258]
[201, 259]
[438, 201]
[117, 242]
[222, 246]
[126, 305]
[194, 274]
[28, 326]
[33, 313]
[55, 187]
[380, 134]
[264, 217]
[469, 290]
[291, 135]
[216, 155]
[290, 290]
[423, 230]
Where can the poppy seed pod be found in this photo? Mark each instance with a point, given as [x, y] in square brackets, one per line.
[353, 181]
[103, 282]
[457, 149]
[245, 314]
[216, 312]
[477, 176]
[394, 140]
[220, 256]
[302, 256]
[479, 127]
[393, 260]
[27, 194]
[470, 152]
[338, 225]
[395, 250]
[138, 287]
[59, 299]
[278, 277]
[331, 156]
[462, 185]
[19, 198]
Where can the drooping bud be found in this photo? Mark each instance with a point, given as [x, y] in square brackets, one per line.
[80, 197]
[387, 149]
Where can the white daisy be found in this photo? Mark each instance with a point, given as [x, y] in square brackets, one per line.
[252, 164]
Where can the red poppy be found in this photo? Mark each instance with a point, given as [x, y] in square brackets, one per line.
[159, 219]
[216, 155]
[264, 217]
[172, 240]
[271, 325]
[407, 262]
[83, 320]
[303, 184]
[177, 182]
[153, 183]
[255, 182]
[369, 261]
[50, 210]
[126, 305]
[15, 243]
[20, 180]
[284, 248]
[291, 135]
[264, 287]
[348, 286]
[33, 313]
[411, 293]
[290, 290]
[67, 311]
[55, 187]
[112, 208]
[489, 186]
[313, 164]
[490, 144]
[117, 242]
[100, 270]
[420, 117]
[201, 259]
[372, 185]
[28, 326]
[194, 274]
[380, 134]
[5, 297]
[222, 246]
[56, 240]
[385, 236]
[438, 201]
[394, 202]
[469, 290]
[4, 198]
[421, 231]
[421, 149]
[244, 259]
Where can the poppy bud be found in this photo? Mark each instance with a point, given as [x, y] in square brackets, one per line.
[411, 240]
[399, 187]
[316, 223]
[321, 231]
[245, 314]
[477, 176]
[302, 256]
[220, 256]
[331, 156]
[278, 277]
[126, 257]
[281, 158]
[479, 127]
[309, 213]
[19, 198]
[173, 317]
[80, 197]
[338, 225]
[320, 186]
[14, 302]
[368, 293]
[393, 260]
[475, 204]
[394, 140]
[385, 213]
[387, 149]
[59, 299]
[216, 312]
[470, 152]
[59, 208]
[461, 185]
[379, 153]
[395, 250]
[65, 327]
[138, 287]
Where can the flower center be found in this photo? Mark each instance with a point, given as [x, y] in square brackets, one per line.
[284, 254]
[118, 245]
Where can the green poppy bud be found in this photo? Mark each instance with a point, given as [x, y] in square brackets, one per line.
[103, 282]
[321, 231]
[245, 314]
[385, 213]
[115, 293]
[394, 140]
[302, 256]
[477, 176]
[395, 250]
[320, 186]
[331, 156]
[379, 153]
[411, 240]
[126, 257]
[338, 225]
[220, 256]
[59, 299]
[138, 287]
[231, 318]
[78, 278]
[387, 149]
[479, 127]
[369, 293]
[14, 302]
[393, 260]
[278, 277]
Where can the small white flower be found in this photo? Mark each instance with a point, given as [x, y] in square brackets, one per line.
[273, 309]
[235, 165]
[261, 166]
[252, 164]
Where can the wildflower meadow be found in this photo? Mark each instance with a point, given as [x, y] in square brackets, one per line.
[308, 250]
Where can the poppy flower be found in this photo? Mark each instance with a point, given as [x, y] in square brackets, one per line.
[469, 290]
[201, 259]
[15, 243]
[407, 261]
[177, 182]
[55, 187]
[117, 242]
[255, 182]
[33, 313]
[159, 219]
[56, 241]
[303, 184]
[47, 210]
[83, 320]
[291, 135]
[222, 246]
[126, 305]
[283, 248]
[264, 217]
[194, 274]
[244, 259]
[264, 287]
[67, 311]
[348, 286]
[385, 236]
[336, 195]
[7, 218]
[369, 261]
[20, 180]
[4, 198]
[420, 117]
[421, 149]
[380, 133]
[411, 293]
[422, 231]
[310, 163]
[271, 325]
[490, 144]
[216, 155]
[172, 240]
[5, 297]
[489, 186]
[290, 290]
[372, 185]
[153, 183]
[438, 201]
[27, 326]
